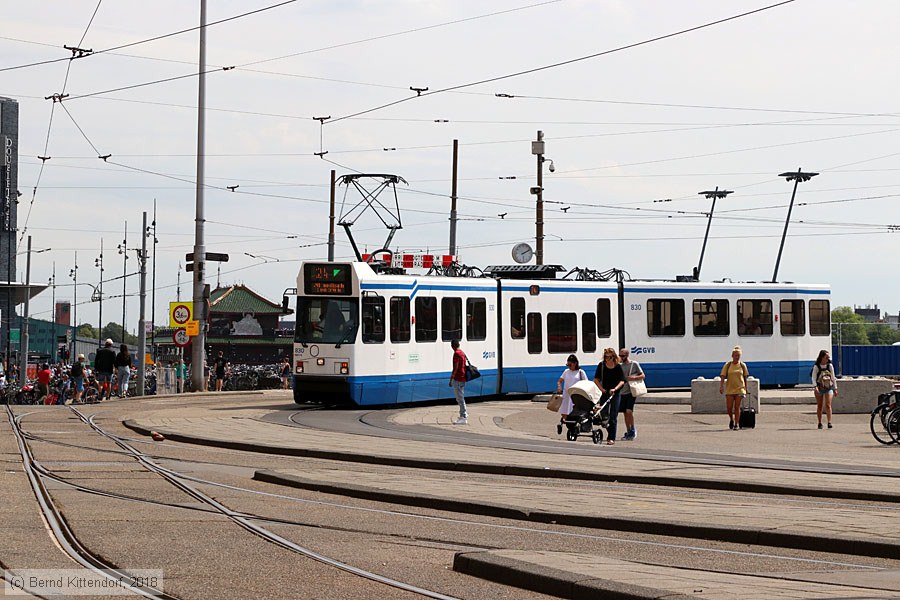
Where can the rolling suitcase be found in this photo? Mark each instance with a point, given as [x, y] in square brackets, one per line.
[747, 420]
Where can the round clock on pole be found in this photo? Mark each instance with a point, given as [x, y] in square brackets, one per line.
[522, 253]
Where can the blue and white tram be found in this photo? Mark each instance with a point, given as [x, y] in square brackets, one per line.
[379, 339]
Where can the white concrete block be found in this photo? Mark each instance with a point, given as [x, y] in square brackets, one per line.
[859, 394]
[706, 399]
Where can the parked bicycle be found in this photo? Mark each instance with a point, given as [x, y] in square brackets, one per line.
[884, 422]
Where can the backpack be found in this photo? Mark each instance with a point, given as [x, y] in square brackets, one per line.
[77, 370]
[824, 378]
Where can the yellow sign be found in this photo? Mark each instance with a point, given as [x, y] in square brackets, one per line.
[192, 328]
[180, 313]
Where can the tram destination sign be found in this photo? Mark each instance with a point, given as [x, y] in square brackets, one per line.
[327, 280]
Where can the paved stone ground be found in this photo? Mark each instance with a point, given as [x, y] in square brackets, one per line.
[784, 432]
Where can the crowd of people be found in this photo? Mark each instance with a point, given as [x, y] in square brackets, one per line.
[616, 373]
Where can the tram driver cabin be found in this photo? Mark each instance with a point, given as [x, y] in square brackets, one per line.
[374, 338]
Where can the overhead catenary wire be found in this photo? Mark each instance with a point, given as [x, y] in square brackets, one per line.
[563, 63]
[150, 39]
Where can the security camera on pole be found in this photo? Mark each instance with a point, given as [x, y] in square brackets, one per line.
[537, 148]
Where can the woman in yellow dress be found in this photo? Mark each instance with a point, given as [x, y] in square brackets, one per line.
[734, 385]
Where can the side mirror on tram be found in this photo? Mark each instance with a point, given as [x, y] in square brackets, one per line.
[284, 304]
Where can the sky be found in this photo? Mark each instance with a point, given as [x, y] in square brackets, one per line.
[634, 133]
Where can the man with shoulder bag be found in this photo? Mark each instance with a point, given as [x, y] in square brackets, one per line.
[634, 387]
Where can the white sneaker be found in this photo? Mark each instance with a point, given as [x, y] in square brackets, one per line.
[461, 421]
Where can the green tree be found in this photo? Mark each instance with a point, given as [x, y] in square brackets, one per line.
[848, 328]
[881, 334]
[113, 331]
[87, 331]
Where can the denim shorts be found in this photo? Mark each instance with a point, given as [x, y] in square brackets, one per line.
[626, 402]
[79, 383]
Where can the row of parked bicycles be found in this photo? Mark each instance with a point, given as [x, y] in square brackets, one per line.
[238, 378]
[885, 419]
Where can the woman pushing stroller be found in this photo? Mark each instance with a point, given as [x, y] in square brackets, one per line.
[572, 374]
[610, 378]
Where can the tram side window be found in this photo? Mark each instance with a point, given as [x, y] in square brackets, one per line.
[476, 319]
[562, 332]
[534, 333]
[372, 319]
[589, 332]
[665, 317]
[517, 318]
[451, 319]
[426, 319]
[604, 318]
[819, 317]
[711, 317]
[754, 317]
[793, 317]
[400, 329]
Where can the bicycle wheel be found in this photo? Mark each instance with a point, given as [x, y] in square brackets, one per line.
[90, 396]
[892, 423]
[878, 423]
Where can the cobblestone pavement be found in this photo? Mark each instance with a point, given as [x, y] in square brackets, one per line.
[785, 433]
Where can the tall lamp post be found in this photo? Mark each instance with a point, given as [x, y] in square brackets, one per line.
[713, 195]
[796, 177]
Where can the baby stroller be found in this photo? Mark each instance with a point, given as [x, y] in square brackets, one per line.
[590, 412]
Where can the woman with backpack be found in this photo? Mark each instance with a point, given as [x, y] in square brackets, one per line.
[825, 383]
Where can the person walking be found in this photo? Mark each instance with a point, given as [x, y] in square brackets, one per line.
[825, 382]
[180, 373]
[734, 385]
[76, 373]
[44, 375]
[123, 369]
[221, 364]
[104, 363]
[632, 372]
[610, 379]
[573, 374]
[286, 374]
[458, 381]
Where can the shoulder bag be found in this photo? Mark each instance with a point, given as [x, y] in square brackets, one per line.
[471, 371]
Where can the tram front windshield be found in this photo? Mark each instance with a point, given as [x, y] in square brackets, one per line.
[327, 320]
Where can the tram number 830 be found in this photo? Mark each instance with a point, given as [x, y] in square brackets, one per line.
[636, 307]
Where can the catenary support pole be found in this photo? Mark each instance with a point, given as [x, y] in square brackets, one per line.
[198, 344]
[23, 359]
[142, 330]
[453, 219]
[331, 219]
[539, 216]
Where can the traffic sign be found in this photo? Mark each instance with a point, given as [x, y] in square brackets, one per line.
[181, 338]
[210, 256]
[179, 313]
[192, 328]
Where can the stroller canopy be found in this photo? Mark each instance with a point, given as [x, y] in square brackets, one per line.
[586, 390]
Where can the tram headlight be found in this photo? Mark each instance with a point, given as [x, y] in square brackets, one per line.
[320, 361]
[345, 368]
[299, 368]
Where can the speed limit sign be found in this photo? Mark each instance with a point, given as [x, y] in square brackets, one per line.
[180, 337]
[179, 314]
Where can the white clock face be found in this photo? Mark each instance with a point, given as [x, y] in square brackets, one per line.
[522, 253]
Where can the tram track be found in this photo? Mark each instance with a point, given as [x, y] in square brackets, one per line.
[466, 522]
[63, 535]
[620, 485]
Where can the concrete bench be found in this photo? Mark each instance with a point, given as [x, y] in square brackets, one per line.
[706, 399]
[859, 394]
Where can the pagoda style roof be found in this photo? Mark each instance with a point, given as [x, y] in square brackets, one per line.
[240, 299]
